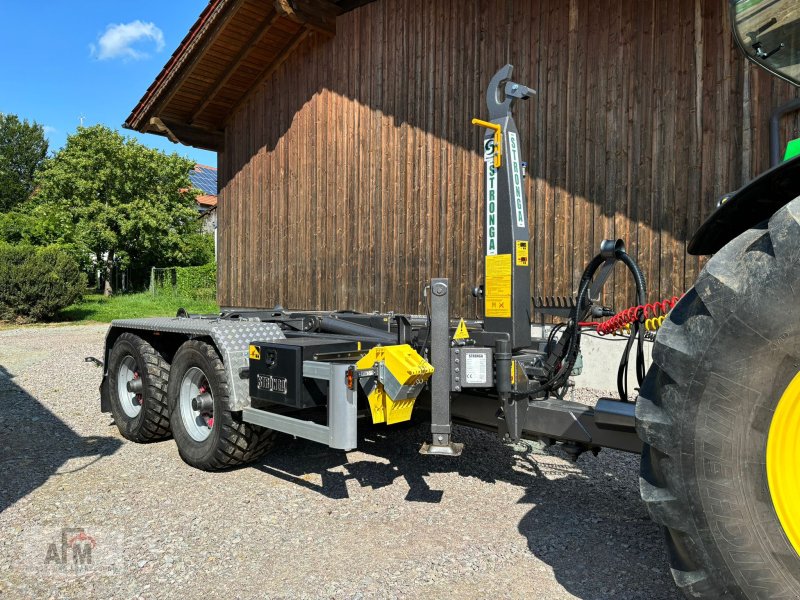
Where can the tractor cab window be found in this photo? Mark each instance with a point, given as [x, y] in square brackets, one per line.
[768, 31]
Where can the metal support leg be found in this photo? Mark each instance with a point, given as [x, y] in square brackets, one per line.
[441, 426]
[514, 409]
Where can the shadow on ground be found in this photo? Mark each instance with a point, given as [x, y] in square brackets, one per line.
[585, 518]
[35, 444]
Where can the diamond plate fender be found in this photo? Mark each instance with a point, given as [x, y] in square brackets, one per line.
[231, 337]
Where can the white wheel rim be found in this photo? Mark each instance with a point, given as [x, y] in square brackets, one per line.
[131, 402]
[198, 425]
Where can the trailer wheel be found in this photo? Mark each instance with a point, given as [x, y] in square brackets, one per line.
[719, 413]
[209, 435]
[141, 413]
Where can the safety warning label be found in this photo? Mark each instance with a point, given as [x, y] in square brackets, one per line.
[522, 253]
[498, 286]
[462, 333]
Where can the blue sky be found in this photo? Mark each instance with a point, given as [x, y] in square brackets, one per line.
[63, 59]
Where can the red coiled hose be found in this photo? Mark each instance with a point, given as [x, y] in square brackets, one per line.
[630, 315]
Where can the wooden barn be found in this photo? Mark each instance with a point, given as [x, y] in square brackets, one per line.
[349, 173]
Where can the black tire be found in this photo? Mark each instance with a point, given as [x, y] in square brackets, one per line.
[230, 441]
[721, 363]
[151, 421]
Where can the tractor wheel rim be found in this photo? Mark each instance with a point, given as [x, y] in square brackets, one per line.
[131, 402]
[198, 425]
[783, 462]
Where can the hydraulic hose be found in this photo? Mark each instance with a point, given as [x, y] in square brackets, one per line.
[638, 276]
[570, 339]
[638, 330]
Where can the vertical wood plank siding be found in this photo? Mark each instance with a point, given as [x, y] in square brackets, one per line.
[353, 176]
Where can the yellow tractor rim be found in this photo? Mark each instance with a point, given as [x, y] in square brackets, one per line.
[783, 461]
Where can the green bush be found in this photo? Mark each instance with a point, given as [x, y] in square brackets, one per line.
[198, 249]
[36, 283]
[197, 283]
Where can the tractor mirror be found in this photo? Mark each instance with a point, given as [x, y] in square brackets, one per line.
[768, 32]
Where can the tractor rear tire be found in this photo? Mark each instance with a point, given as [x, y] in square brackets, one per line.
[723, 361]
[216, 438]
[143, 416]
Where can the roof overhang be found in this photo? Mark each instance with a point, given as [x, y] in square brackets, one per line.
[232, 48]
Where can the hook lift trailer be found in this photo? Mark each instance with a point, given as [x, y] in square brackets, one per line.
[716, 419]
[211, 379]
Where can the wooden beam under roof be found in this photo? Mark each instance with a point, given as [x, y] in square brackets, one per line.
[187, 134]
[319, 15]
[258, 34]
[269, 70]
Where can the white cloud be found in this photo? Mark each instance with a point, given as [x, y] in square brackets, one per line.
[48, 130]
[119, 39]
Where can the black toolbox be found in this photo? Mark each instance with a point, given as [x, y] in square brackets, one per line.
[276, 370]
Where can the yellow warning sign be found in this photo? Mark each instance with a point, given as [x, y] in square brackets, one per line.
[522, 254]
[255, 353]
[498, 286]
[461, 331]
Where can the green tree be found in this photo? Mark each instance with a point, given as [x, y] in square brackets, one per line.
[23, 148]
[126, 204]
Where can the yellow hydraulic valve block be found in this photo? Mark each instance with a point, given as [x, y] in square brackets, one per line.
[392, 377]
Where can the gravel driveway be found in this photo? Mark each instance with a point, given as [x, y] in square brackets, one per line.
[304, 522]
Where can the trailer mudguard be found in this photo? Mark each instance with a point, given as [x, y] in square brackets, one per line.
[753, 204]
[231, 337]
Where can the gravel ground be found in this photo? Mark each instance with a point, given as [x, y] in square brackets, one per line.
[304, 522]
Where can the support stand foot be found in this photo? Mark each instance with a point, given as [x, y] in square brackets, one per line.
[451, 449]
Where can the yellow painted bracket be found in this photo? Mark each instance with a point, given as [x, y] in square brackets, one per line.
[400, 373]
[498, 139]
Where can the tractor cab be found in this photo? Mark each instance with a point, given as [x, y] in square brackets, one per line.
[768, 32]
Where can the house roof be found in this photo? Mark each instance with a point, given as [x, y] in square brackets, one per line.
[231, 49]
[207, 201]
[204, 178]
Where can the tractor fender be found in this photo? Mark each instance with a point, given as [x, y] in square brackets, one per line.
[751, 205]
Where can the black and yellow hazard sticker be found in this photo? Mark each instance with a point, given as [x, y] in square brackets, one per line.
[522, 254]
[255, 353]
[461, 331]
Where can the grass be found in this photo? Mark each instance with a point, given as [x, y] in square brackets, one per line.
[746, 5]
[98, 308]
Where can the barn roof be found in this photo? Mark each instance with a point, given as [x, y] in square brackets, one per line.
[233, 47]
